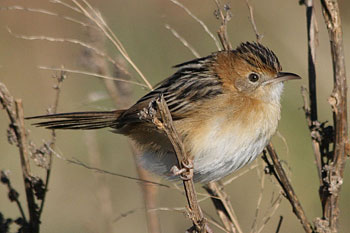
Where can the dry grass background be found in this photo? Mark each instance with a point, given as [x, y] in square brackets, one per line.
[72, 202]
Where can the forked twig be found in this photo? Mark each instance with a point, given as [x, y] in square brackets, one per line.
[225, 17]
[165, 124]
[277, 170]
[223, 207]
[14, 111]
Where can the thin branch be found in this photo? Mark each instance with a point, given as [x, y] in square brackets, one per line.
[183, 41]
[46, 12]
[91, 74]
[71, 41]
[315, 135]
[57, 88]
[257, 210]
[67, 6]
[279, 224]
[223, 207]
[206, 29]
[268, 217]
[252, 21]
[310, 104]
[277, 170]
[97, 19]
[225, 17]
[14, 110]
[79, 163]
[165, 124]
[230, 180]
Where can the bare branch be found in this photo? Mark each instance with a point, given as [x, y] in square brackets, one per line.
[14, 110]
[206, 29]
[338, 101]
[91, 74]
[183, 41]
[96, 18]
[165, 124]
[47, 12]
[223, 207]
[252, 21]
[277, 170]
[78, 162]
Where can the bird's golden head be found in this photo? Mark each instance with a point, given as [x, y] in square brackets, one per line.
[251, 70]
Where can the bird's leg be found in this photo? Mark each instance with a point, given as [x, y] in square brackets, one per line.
[186, 172]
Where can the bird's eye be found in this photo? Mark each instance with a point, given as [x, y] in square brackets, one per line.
[253, 77]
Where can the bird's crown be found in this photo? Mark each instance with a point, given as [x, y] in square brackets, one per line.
[258, 56]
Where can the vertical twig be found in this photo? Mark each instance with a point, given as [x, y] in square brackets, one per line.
[252, 21]
[57, 88]
[338, 102]
[14, 110]
[23, 149]
[223, 207]
[225, 18]
[310, 106]
[165, 124]
[277, 170]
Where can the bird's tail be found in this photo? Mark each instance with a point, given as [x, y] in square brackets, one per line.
[79, 120]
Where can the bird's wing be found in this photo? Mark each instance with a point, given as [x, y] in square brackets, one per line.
[193, 83]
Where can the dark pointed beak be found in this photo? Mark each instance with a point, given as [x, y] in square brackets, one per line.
[283, 76]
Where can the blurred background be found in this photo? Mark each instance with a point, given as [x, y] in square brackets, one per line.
[73, 203]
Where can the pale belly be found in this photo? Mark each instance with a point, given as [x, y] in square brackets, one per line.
[218, 151]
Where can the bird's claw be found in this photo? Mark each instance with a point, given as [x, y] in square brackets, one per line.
[185, 173]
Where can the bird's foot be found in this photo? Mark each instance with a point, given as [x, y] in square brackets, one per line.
[186, 172]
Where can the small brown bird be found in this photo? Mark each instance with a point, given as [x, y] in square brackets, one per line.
[225, 106]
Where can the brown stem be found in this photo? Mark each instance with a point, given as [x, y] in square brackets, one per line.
[222, 32]
[310, 106]
[338, 101]
[223, 207]
[252, 21]
[279, 173]
[165, 123]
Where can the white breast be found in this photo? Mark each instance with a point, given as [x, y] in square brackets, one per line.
[219, 154]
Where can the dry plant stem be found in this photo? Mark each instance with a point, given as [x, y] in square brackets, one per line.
[204, 26]
[97, 19]
[261, 177]
[279, 224]
[166, 124]
[310, 107]
[23, 149]
[15, 113]
[46, 12]
[280, 175]
[272, 211]
[252, 21]
[183, 41]
[91, 74]
[338, 101]
[223, 207]
[53, 140]
[222, 32]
